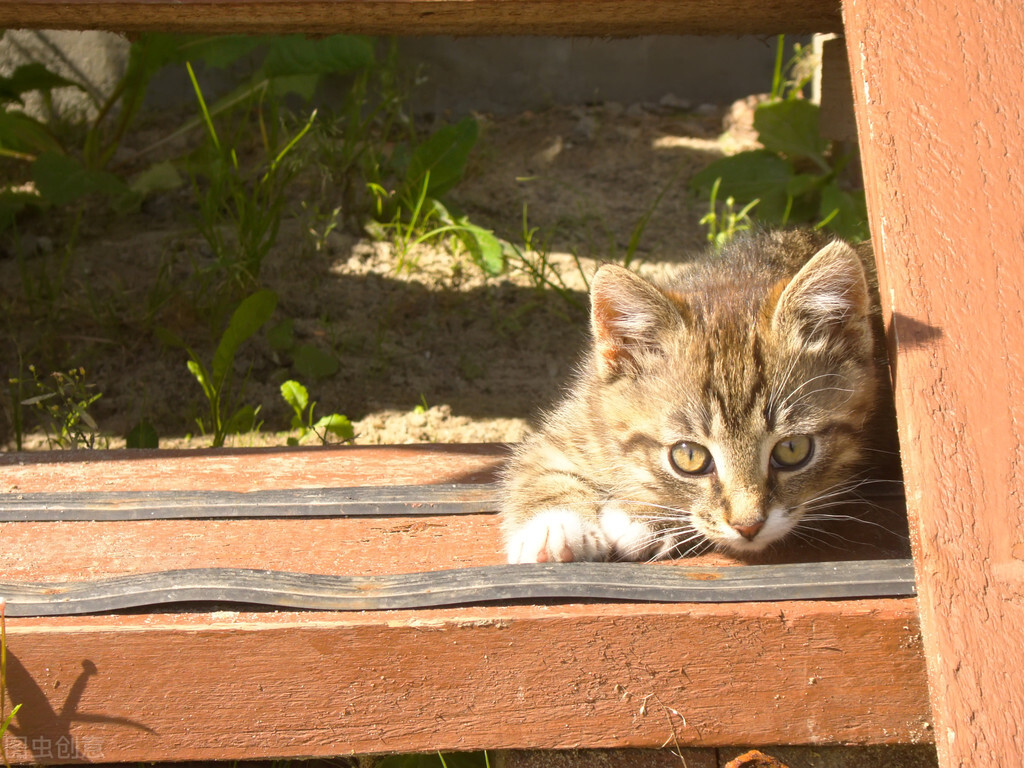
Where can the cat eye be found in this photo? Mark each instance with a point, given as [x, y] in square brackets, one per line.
[691, 459]
[792, 452]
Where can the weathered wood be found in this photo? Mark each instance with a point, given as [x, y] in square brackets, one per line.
[431, 17]
[938, 97]
[61, 551]
[248, 469]
[221, 684]
[231, 685]
[358, 501]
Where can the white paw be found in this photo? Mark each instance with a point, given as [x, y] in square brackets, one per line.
[628, 538]
[557, 536]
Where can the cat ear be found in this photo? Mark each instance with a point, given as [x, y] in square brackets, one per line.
[628, 317]
[827, 301]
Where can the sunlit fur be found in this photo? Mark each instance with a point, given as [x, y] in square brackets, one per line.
[775, 337]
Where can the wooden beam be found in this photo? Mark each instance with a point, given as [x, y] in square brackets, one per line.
[611, 18]
[938, 97]
[227, 685]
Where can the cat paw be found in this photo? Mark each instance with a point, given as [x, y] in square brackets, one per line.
[557, 536]
[628, 538]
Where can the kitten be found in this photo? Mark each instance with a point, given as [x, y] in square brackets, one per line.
[712, 410]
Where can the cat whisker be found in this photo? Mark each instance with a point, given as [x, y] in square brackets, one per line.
[848, 487]
[640, 502]
[819, 540]
[651, 541]
[853, 518]
[784, 403]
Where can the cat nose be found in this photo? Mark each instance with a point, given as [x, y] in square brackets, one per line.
[748, 532]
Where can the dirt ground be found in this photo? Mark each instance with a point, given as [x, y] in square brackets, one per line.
[436, 352]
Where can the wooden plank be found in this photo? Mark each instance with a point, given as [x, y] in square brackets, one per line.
[358, 501]
[938, 101]
[211, 683]
[62, 551]
[231, 685]
[430, 17]
[249, 469]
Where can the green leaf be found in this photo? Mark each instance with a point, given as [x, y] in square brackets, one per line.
[296, 395]
[791, 128]
[443, 157]
[312, 362]
[747, 176]
[218, 51]
[851, 213]
[152, 51]
[303, 86]
[282, 335]
[299, 55]
[248, 317]
[13, 203]
[62, 179]
[203, 377]
[159, 177]
[22, 133]
[804, 184]
[337, 425]
[484, 248]
[243, 420]
[32, 77]
[39, 399]
[142, 435]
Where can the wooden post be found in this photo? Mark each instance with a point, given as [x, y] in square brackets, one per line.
[938, 97]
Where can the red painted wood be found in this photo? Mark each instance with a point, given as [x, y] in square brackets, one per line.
[938, 95]
[68, 551]
[203, 683]
[229, 685]
[249, 469]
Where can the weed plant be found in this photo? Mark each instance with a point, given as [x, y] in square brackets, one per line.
[239, 211]
[797, 178]
[226, 413]
[62, 399]
[723, 224]
[534, 260]
[412, 211]
[297, 397]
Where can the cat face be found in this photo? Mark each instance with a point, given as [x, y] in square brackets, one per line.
[726, 413]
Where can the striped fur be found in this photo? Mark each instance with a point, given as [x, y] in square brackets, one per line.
[773, 340]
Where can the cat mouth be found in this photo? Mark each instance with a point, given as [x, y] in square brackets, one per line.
[755, 538]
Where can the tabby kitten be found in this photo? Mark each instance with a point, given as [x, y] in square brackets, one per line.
[711, 410]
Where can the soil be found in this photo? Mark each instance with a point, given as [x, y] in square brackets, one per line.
[432, 351]
[435, 351]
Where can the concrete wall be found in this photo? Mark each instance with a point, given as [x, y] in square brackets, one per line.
[507, 74]
[500, 75]
[95, 59]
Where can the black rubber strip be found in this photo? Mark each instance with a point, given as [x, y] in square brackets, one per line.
[565, 581]
[369, 501]
[364, 501]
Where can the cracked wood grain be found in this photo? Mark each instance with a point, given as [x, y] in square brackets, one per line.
[939, 113]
